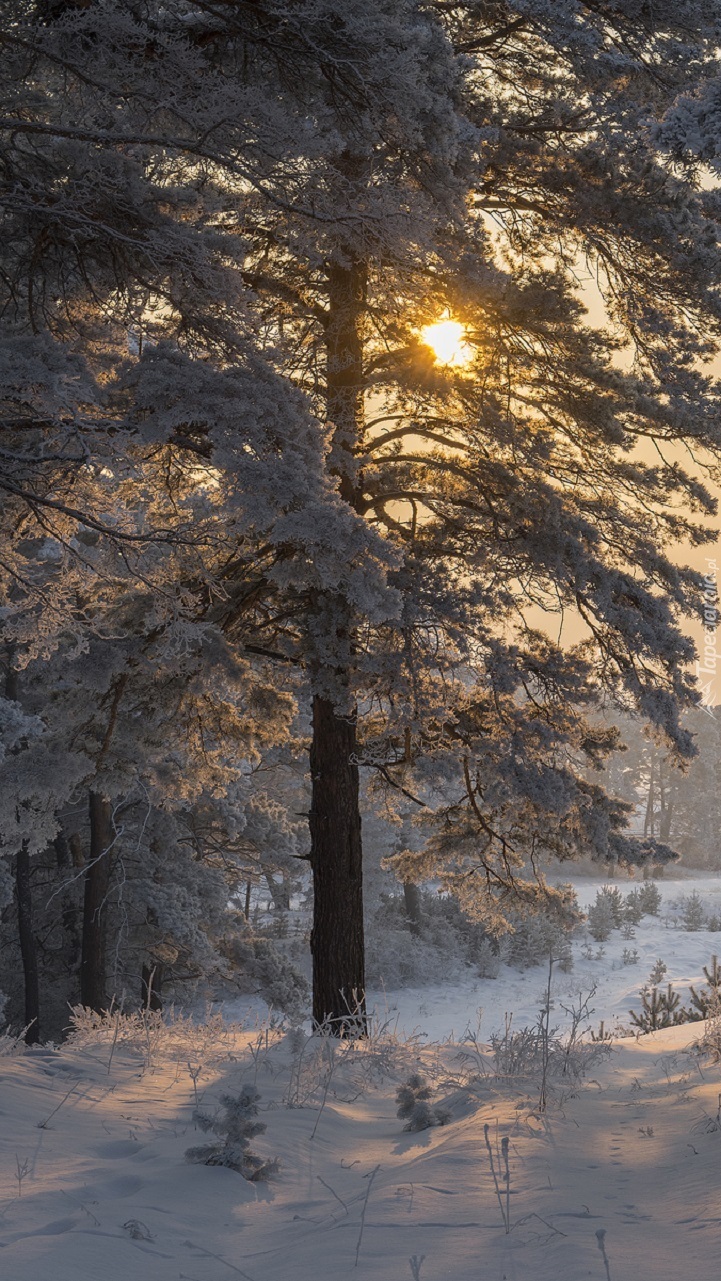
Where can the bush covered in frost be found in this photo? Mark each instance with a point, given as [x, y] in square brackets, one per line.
[534, 939]
[442, 943]
[259, 964]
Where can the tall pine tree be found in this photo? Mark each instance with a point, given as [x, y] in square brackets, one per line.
[361, 170]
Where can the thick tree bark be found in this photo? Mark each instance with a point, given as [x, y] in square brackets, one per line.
[28, 949]
[93, 975]
[337, 942]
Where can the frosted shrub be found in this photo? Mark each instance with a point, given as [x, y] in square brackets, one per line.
[693, 916]
[414, 1106]
[11, 1045]
[534, 938]
[444, 945]
[650, 898]
[633, 909]
[234, 1127]
[162, 1037]
[600, 919]
[531, 1052]
[259, 965]
[516, 1053]
[396, 959]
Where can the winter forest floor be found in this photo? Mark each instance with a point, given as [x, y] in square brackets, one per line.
[616, 1180]
[94, 1184]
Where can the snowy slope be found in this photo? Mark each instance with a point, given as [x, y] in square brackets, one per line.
[107, 1196]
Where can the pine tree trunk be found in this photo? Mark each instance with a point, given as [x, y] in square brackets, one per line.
[28, 949]
[412, 898]
[24, 897]
[279, 892]
[336, 942]
[69, 908]
[649, 817]
[666, 817]
[93, 976]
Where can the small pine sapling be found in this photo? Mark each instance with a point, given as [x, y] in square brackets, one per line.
[650, 898]
[693, 916]
[707, 1001]
[658, 1009]
[600, 918]
[602, 1035]
[235, 1127]
[630, 956]
[633, 908]
[590, 955]
[658, 973]
[616, 902]
[564, 960]
[414, 1107]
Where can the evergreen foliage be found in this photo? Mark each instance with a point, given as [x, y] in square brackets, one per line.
[231, 466]
[600, 918]
[235, 1126]
[414, 1107]
[705, 1001]
[633, 908]
[658, 1009]
[649, 897]
[693, 915]
[658, 973]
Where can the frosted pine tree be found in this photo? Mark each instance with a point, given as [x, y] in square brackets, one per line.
[234, 1127]
[414, 1106]
[369, 169]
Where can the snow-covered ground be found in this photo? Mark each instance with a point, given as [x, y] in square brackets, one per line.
[617, 1179]
[446, 1010]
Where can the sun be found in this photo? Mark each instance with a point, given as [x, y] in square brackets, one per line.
[446, 340]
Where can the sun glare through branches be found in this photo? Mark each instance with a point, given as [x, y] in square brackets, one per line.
[446, 340]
